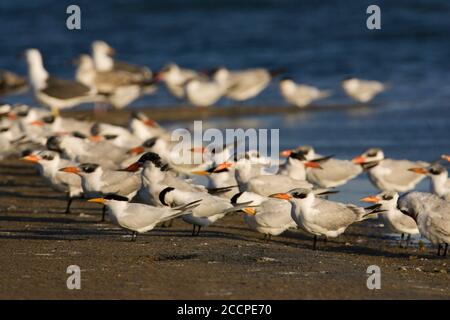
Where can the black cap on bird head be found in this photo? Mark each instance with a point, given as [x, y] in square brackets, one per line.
[53, 144]
[155, 159]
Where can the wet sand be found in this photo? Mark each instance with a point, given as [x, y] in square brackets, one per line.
[227, 261]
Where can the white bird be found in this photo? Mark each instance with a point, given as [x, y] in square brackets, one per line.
[210, 209]
[333, 172]
[203, 93]
[300, 95]
[393, 217]
[322, 217]
[175, 78]
[143, 127]
[389, 174]
[49, 163]
[362, 90]
[432, 215]
[138, 217]
[96, 181]
[53, 92]
[266, 215]
[243, 84]
[296, 166]
[440, 183]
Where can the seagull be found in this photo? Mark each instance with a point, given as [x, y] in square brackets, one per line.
[138, 217]
[53, 92]
[175, 78]
[211, 208]
[300, 95]
[268, 216]
[432, 215]
[203, 93]
[333, 172]
[296, 166]
[440, 183]
[49, 163]
[394, 218]
[243, 84]
[143, 127]
[11, 82]
[389, 174]
[362, 90]
[98, 182]
[322, 217]
[119, 87]
[102, 52]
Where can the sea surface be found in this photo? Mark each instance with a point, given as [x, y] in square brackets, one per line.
[318, 42]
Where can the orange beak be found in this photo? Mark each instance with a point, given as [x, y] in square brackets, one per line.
[32, 158]
[249, 211]
[38, 123]
[222, 166]
[96, 138]
[12, 116]
[97, 200]
[132, 167]
[311, 164]
[198, 149]
[285, 153]
[70, 170]
[283, 196]
[359, 160]
[418, 170]
[136, 150]
[151, 123]
[200, 173]
[373, 199]
[446, 157]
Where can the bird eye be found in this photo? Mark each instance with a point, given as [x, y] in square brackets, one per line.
[110, 136]
[387, 197]
[299, 195]
[371, 154]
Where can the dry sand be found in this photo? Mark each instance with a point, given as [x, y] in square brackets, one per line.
[227, 261]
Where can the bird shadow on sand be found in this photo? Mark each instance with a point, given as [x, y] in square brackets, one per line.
[35, 196]
[69, 234]
[66, 218]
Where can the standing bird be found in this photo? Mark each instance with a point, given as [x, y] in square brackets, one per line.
[53, 92]
[138, 217]
[175, 78]
[362, 90]
[243, 84]
[432, 215]
[49, 163]
[440, 183]
[300, 95]
[333, 173]
[98, 182]
[268, 216]
[389, 174]
[394, 218]
[322, 217]
[203, 93]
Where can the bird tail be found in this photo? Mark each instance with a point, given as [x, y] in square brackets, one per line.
[220, 190]
[372, 212]
[238, 207]
[182, 210]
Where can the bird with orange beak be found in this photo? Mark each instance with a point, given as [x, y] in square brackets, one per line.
[322, 217]
[440, 183]
[49, 163]
[138, 217]
[395, 220]
[389, 174]
[97, 181]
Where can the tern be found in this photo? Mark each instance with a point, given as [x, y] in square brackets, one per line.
[300, 95]
[389, 174]
[432, 215]
[268, 216]
[137, 217]
[297, 164]
[440, 183]
[53, 92]
[49, 163]
[362, 90]
[322, 217]
[203, 93]
[175, 78]
[394, 218]
[96, 181]
[333, 173]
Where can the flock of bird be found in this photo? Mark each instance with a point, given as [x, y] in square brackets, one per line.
[101, 80]
[142, 180]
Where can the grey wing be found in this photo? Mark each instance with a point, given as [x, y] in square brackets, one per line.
[335, 170]
[139, 216]
[270, 184]
[274, 213]
[65, 89]
[334, 215]
[120, 182]
[69, 179]
[400, 175]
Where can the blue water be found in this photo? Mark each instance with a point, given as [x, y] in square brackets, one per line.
[319, 42]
